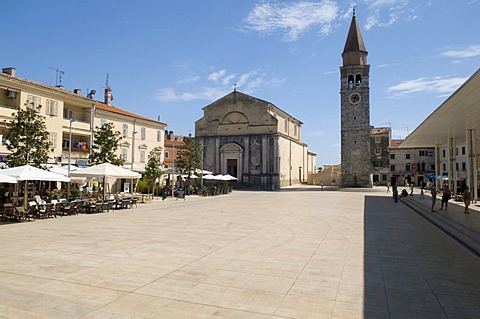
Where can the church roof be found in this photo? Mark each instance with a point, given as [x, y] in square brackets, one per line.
[354, 39]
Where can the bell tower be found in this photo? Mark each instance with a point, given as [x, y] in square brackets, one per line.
[355, 111]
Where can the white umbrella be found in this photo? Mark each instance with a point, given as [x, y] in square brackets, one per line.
[7, 179]
[208, 176]
[30, 173]
[231, 178]
[220, 177]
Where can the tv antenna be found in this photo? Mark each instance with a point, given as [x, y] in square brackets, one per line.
[59, 73]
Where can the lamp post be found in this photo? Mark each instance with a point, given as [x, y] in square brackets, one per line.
[69, 157]
[173, 168]
[133, 151]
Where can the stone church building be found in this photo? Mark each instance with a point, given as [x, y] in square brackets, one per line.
[253, 140]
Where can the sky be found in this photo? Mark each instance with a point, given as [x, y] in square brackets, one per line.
[169, 59]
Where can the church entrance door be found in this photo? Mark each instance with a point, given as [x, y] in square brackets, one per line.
[232, 167]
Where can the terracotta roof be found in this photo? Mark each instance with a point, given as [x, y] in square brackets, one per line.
[176, 143]
[114, 109]
[395, 143]
[380, 130]
[61, 90]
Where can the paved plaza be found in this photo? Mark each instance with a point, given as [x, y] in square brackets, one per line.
[291, 254]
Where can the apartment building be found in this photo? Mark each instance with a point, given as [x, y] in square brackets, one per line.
[69, 113]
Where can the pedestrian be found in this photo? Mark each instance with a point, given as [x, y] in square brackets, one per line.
[395, 193]
[446, 195]
[411, 189]
[422, 193]
[388, 187]
[322, 184]
[433, 192]
[467, 196]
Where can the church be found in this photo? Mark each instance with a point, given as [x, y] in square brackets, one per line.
[253, 140]
[355, 111]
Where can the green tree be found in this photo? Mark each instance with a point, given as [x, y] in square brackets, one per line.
[27, 138]
[105, 145]
[189, 157]
[153, 169]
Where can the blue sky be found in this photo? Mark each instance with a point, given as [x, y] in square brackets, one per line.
[169, 59]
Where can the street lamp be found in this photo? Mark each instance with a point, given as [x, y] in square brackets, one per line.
[69, 157]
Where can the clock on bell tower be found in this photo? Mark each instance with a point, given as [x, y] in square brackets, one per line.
[355, 111]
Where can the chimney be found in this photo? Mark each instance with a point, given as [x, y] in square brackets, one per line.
[10, 71]
[77, 91]
[108, 96]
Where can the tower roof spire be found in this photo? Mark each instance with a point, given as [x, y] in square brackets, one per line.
[354, 39]
[354, 52]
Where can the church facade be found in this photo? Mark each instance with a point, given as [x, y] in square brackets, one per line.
[355, 111]
[253, 140]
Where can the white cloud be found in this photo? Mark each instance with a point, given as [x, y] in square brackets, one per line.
[223, 81]
[462, 52]
[292, 19]
[192, 79]
[384, 13]
[205, 93]
[436, 85]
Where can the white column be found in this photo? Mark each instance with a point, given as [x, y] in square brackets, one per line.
[472, 162]
[452, 173]
[438, 171]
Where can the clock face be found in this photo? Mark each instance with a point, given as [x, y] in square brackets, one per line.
[354, 98]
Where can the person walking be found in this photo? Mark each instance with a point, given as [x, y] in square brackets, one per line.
[446, 195]
[422, 193]
[433, 192]
[411, 189]
[395, 192]
[467, 196]
[388, 187]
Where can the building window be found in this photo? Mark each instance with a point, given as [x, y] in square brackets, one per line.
[166, 154]
[384, 177]
[464, 167]
[432, 167]
[52, 108]
[142, 156]
[392, 156]
[33, 101]
[444, 167]
[143, 133]
[392, 168]
[422, 153]
[125, 130]
[378, 150]
[124, 153]
[159, 136]
[378, 139]
[52, 139]
[463, 150]
[456, 166]
[444, 153]
[286, 126]
[67, 114]
[407, 167]
[407, 156]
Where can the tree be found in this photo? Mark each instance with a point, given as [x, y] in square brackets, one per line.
[27, 139]
[105, 145]
[189, 157]
[153, 169]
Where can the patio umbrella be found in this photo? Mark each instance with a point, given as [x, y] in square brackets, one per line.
[220, 177]
[208, 176]
[231, 178]
[7, 179]
[30, 173]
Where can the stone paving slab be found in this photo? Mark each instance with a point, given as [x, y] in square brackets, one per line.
[287, 254]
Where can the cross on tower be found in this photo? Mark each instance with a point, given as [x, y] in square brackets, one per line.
[354, 5]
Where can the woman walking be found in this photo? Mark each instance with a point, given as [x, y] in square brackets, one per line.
[467, 196]
[446, 195]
